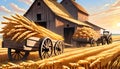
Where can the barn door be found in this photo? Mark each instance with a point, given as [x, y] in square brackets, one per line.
[68, 33]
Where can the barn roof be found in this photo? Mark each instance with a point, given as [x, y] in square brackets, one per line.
[57, 8]
[60, 11]
[79, 7]
[94, 25]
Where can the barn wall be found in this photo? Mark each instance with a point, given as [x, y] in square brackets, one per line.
[74, 11]
[82, 17]
[70, 8]
[61, 24]
[96, 28]
[46, 14]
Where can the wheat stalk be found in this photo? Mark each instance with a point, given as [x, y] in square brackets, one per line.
[19, 28]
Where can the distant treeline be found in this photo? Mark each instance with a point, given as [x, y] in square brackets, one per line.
[116, 34]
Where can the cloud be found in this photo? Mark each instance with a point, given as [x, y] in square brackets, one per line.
[108, 22]
[113, 9]
[117, 3]
[108, 18]
[16, 8]
[106, 5]
[4, 9]
[115, 6]
[28, 2]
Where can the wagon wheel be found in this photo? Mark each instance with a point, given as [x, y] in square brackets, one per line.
[98, 42]
[16, 55]
[103, 41]
[58, 48]
[45, 48]
[92, 42]
[109, 41]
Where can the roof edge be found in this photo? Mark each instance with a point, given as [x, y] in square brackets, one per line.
[94, 25]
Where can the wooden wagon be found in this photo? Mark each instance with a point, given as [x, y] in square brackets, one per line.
[20, 50]
[91, 41]
[106, 38]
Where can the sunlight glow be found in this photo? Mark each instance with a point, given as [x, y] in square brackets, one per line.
[118, 24]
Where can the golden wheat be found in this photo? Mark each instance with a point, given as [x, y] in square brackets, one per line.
[19, 28]
[90, 58]
[85, 32]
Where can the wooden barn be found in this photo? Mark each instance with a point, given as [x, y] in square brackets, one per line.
[53, 16]
[78, 12]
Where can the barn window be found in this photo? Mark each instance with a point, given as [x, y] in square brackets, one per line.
[38, 16]
[39, 4]
[67, 25]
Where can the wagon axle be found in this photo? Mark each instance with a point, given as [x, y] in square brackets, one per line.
[17, 51]
[46, 49]
[58, 49]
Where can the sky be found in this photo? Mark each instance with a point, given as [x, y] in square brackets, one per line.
[104, 13]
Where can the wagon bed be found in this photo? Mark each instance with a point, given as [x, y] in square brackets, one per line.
[90, 41]
[46, 47]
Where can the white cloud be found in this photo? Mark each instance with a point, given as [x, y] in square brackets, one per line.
[113, 9]
[16, 8]
[4, 9]
[117, 3]
[28, 2]
[108, 18]
[106, 5]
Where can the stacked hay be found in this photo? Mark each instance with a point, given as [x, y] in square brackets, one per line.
[85, 32]
[19, 28]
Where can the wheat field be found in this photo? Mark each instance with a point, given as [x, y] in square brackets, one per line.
[98, 57]
[65, 61]
[79, 58]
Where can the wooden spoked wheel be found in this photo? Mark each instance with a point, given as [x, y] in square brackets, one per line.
[92, 42]
[16, 55]
[104, 41]
[45, 48]
[58, 48]
[109, 41]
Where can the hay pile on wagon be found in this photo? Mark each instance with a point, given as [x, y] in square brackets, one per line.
[85, 32]
[19, 28]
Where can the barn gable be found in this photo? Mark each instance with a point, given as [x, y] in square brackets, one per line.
[57, 9]
[40, 13]
[60, 11]
[79, 7]
[78, 12]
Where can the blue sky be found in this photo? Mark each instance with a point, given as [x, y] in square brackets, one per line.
[91, 6]
[104, 13]
[6, 3]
